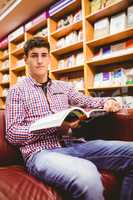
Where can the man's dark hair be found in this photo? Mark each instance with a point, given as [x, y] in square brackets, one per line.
[35, 42]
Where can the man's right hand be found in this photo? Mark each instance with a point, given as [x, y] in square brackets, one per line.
[66, 126]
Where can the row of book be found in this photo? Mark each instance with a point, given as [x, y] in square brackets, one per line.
[20, 62]
[116, 48]
[5, 53]
[5, 78]
[116, 23]
[70, 19]
[96, 5]
[118, 77]
[5, 64]
[72, 60]
[43, 32]
[73, 37]
[77, 82]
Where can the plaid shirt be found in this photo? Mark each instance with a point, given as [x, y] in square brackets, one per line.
[27, 101]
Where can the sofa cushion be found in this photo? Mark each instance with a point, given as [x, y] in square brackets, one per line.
[16, 183]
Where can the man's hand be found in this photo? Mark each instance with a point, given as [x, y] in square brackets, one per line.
[67, 126]
[111, 105]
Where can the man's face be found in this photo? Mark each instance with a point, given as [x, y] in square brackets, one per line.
[38, 60]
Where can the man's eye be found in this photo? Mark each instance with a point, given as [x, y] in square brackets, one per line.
[37, 56]
[33, 56]
[44, 55]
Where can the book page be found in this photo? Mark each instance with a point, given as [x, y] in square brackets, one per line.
[95, 113]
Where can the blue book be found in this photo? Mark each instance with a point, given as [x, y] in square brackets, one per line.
[59, 6]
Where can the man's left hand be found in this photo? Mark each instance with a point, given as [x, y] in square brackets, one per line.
[111, 105]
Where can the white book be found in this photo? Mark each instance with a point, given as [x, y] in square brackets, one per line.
[118, 23]
[70, 114]
[101, 28]
[130, 16]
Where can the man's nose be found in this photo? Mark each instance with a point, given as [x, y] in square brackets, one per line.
[39, 59]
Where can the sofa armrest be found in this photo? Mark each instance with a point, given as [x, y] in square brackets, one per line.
[113, 126]
[123, 125]
[8, 153]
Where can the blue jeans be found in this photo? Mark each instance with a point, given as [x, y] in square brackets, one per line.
[74, 168]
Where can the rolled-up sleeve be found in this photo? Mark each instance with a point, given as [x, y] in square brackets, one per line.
[81, 100]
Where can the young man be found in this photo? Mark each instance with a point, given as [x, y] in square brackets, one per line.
[70, 166]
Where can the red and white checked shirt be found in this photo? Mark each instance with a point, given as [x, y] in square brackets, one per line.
[27, 102]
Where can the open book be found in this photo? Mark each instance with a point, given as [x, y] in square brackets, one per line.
[69, 115]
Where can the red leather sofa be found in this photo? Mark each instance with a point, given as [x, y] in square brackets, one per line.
[17, 184]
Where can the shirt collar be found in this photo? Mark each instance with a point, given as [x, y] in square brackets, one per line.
[34, 82]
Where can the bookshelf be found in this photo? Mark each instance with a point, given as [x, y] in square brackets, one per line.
[17, 64]
[4, 72]
[36, 27]
[112, 60]
[76, 54]
[66, 39]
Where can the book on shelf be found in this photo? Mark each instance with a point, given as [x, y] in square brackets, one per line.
[68, 115]
[60, 5]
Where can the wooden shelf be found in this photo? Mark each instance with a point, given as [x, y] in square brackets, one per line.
[110, 38]
[111, 88]
[68, 69]
[18, 68]
[4, 69]
[108, 11]
[4, 83]
[4, 57]
[18, 38]
[68, 48]
[3, 97]
[66, 30]
[17, 52]
[2, 107]
[111, 58]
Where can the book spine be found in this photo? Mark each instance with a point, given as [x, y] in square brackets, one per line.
[59, 7]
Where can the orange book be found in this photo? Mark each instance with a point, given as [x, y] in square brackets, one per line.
[129, 43]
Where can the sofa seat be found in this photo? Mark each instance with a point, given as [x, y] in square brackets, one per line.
[16, 184]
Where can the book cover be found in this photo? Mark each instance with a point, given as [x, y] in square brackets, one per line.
[70, 114]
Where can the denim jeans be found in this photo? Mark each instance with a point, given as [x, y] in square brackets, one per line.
[74, 168]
